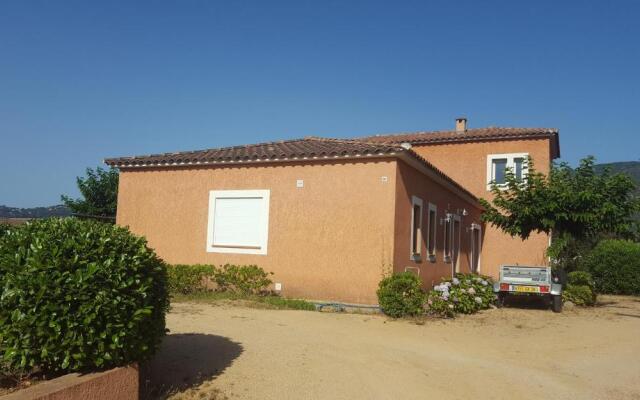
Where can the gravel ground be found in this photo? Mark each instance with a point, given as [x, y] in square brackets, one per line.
[229, 351]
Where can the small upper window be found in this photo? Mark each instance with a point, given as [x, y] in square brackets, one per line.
[499, 164]
[499, 170]
[518, 163]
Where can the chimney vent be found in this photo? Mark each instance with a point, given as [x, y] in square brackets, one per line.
[406, 145]
[461, 124]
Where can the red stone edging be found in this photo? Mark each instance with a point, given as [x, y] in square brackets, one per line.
[115, 384]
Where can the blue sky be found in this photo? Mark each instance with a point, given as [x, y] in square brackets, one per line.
[81, 81]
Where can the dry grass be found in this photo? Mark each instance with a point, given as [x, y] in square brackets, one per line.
[243, 300]
[206, 391]
[14, 221]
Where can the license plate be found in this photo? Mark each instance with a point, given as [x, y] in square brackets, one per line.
[526, 289]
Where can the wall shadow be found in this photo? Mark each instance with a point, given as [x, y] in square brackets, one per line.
[185, 361]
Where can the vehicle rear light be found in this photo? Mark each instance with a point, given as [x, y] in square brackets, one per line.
[544, 289]
[504, 286]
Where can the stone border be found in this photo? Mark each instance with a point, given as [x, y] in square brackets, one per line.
[115, 384]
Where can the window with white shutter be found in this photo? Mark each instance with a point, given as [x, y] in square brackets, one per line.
[238, 221]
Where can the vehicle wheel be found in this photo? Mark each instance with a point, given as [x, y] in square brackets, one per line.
[500, 300]
[556, 303]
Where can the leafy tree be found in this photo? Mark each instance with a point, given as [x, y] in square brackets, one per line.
[576, 205]
[99, 191]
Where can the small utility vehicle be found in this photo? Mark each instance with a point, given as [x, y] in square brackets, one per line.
[538, 281]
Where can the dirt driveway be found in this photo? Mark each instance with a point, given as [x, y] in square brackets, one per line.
[243, 353]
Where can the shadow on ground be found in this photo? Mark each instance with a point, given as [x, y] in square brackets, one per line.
[527, 302]
[628, 315]
[185, 361]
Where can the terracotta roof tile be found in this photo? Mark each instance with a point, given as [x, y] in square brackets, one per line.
[470, 135]
[453, 136]
[309, 148]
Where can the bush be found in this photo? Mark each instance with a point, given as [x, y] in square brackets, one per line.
[580, 278]
[615, 267]
[4, 229]
[400, 295]
[580, 295]
[244, 279]
[188, 279]
[580, 289]
[78, 295]
[463, 294]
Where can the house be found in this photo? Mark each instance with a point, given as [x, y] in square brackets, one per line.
[474, 158]
[330, 217]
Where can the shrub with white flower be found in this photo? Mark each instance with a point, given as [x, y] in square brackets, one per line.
[463, 294]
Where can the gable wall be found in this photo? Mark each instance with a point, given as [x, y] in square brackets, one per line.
[411, 182]
[467, 164]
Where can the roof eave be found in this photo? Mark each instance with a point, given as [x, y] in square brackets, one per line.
[122, 163]
[415, 160]
[553, 136]
[408, 156]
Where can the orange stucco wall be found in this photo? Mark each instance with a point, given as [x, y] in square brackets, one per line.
[467, 164]
[329, 240]
[411, 182]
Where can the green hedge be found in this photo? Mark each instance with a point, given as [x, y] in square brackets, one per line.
[401, 295]
[244, 279]
[189, 279]
[615, 267]
[78, 295]
[239, 279]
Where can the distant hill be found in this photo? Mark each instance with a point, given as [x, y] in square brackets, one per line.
[35, 212]
[631, 168]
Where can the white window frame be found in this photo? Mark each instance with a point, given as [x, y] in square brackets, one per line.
[261, 248]
[472, 247]
[430, 237]
[416, 256]
[510, 157]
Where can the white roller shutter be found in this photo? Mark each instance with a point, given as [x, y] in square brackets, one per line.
[238, 221]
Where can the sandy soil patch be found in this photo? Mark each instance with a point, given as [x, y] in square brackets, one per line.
[242, 353]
